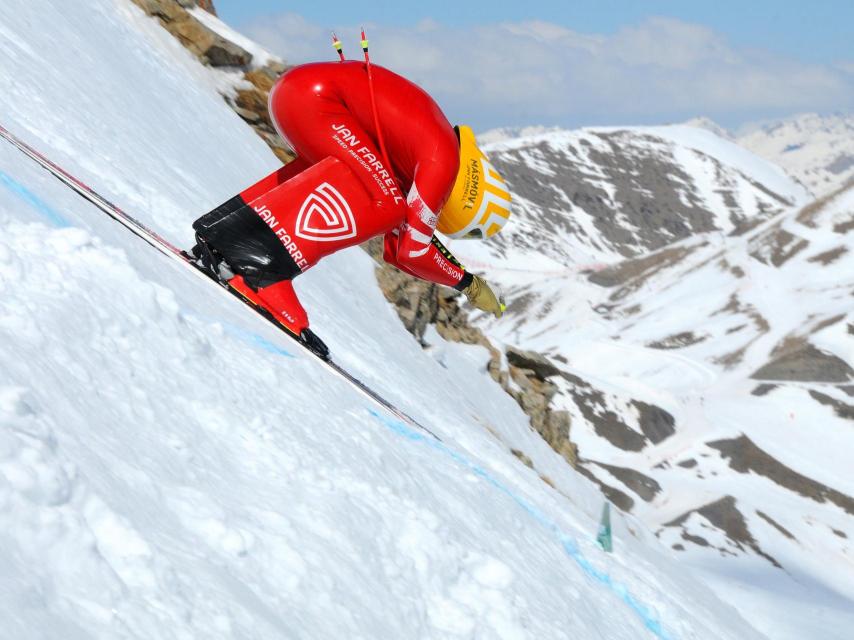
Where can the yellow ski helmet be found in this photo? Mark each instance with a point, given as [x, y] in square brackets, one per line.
[479, 204]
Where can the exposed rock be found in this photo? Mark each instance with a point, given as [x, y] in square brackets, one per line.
[676, 341]
[809, 214]
[724, 515]
[212, 49]
[735, 306]
[731, 359]
[420, 304]
[641, 484]
[277, 145]
[744, 456]
[524, 459]
[845, 226]
[776, 525]
[827, 322]
[763, 389]
[636, 270]
[207, 5]
[537, 363]
[842, 409]
[656, 423]
[254, 100]
[206, 44]
[619, 499]
[832, 255]
[606, 423]
[776, 246]
[797, 359]
[249, 116]
[690, 463]
[263, 79]
[650, 200]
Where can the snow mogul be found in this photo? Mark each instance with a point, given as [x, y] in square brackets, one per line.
[343, 188]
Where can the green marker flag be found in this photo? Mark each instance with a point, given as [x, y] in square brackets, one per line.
[603, 537]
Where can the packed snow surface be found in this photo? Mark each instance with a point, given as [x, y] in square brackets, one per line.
[173, 467]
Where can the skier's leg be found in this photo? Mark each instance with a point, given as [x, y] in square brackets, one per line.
[228, 214]
[265, 184]
[280, 175]
[246, 244]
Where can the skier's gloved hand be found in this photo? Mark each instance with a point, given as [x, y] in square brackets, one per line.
[481, 296]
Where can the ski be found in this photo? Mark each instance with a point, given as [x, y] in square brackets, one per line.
[171, 251]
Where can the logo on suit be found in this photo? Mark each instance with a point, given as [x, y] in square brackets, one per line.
[325, 216]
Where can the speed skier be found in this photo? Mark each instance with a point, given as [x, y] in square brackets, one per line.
[339, 191]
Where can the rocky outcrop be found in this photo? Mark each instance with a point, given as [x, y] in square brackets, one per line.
[799, 360]
[250, 99]
[533, 391]
[207, 5]
[641, 484]
[420, 304]
[776, 246]
[250, 103]
[724, 515]
[207, 45]
[745, 457]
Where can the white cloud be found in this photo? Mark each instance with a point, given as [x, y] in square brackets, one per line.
[539, 72]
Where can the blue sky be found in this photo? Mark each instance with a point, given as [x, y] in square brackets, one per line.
[815, 30]
[605, 62]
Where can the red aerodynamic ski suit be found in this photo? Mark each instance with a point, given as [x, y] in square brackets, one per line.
[323, 110]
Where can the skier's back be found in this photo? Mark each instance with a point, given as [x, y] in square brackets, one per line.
[338, 191]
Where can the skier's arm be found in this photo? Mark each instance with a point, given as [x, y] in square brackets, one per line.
[413, 247]
[439, 266]
[432, 262]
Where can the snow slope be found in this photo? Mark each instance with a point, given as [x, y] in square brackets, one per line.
[172, 467]
[816, 149]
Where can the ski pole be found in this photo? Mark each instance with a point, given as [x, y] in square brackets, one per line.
[374, 102]
[336, 43]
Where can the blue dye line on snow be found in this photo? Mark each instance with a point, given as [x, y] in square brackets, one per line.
[650, 620]
[645, 613]
[33, 200]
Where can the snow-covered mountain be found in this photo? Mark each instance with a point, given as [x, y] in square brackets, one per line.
[597, 195]
[709, 374]
[817, 150]
[172, 467]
